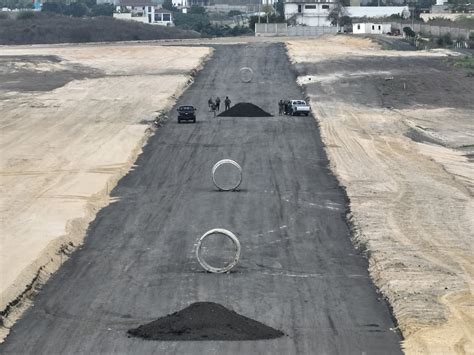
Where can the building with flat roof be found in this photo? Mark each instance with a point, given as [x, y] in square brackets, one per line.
[309, 12]
[143, 11]
[371, 28]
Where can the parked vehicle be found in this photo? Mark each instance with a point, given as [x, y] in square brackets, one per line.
[298, 107]
[186, 113]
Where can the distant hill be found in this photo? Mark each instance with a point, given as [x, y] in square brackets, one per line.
[45, 28]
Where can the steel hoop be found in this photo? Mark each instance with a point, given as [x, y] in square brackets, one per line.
[226, 161]
[246, 74]
[229, 235]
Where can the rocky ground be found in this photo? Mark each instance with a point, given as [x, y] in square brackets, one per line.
[399, 133]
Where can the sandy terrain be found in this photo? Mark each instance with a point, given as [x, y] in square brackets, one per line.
[399, 134]
[73, 121]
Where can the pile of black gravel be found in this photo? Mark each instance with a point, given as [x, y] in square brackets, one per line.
[205, 321]
[245, 109]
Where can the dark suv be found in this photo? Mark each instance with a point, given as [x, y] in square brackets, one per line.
[186, 113]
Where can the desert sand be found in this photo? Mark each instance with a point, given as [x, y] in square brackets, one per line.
[66, 139]
[411, 201]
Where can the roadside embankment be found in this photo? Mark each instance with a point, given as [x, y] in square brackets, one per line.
[399, 133]
[73, 120]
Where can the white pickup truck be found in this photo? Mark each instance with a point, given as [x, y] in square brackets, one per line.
[299, 107]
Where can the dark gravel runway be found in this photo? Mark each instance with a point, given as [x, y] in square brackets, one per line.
[298, 272]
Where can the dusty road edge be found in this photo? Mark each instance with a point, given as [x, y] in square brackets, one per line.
[58, 251]
[356, 232]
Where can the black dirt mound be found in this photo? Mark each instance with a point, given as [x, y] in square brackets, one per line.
[205, 321]
[245, 109]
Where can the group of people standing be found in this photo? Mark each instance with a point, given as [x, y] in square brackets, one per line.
[215, 105]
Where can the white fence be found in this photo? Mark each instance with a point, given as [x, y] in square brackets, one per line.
[282, 29]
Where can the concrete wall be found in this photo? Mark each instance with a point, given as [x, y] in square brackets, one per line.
[435, 30]
[281, 29]
[271, 29]
[225, 8]
[128, 17]
[307, 31]
[450, 16]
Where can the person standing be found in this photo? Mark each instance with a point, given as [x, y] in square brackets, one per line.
[286, 107]
[280, 107]
[218, 103]
[227, 103]
[214, 108]
[210, 102]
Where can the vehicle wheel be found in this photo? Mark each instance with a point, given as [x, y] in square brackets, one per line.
[179, 121]
[194, 121]
[307, 113]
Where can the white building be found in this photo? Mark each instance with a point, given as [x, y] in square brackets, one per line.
[143, 11]
[309, 12]
[373, 28]
[377, 11]
[181, 3]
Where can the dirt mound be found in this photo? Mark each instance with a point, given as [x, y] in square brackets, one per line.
[245, 109]
[205, 321]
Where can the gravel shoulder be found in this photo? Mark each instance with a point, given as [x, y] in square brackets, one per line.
[72, 125]
[398, 131]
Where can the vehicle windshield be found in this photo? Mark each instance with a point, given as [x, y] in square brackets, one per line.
[186, 108]
[299, 103]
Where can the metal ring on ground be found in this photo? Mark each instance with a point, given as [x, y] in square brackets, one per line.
[229, 235]
[246, 74]
[226, 161]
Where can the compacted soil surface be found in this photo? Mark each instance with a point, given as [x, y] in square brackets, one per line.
[399, 131]
[298, 272]
[70, 119]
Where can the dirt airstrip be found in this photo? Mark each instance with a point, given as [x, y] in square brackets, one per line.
[399, 131]
[72, 125]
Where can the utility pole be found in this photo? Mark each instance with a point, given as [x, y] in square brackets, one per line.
[412, 7]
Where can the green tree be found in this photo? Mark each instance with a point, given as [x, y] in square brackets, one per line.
[25, 15]
[102, 10]
[53, 7]
[280, 9]
[409, 32]
[459, 5]
[76, 9]
[336, 14]
[195, 22]
[233, 13]
[88, 3]
[272, 18]
[197, 10]
[16, 4]
[168, 5]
